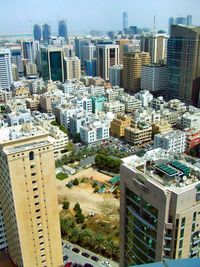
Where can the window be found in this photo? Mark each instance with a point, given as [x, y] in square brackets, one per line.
[31, 155]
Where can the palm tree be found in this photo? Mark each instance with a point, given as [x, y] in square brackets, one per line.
[76, 235]
[111, 248]
[99, 242]
[88, 237]
[66, 225]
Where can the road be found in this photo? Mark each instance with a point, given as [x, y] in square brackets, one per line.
[78, 258]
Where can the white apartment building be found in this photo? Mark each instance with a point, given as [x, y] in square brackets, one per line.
[158, 103]
[94, 131]
[83, 103]
[154, 77]
[115, 75]
[131, 103]
[6, 75]
[146, 114]
[189, 121]
[19, 117]
[114, 93]
[65, 116]
[144, 96]
[73, 68]
[174, 141]
[114, 107]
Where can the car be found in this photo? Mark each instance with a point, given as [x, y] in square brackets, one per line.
[94, 258]
[85, 254]
[88, 265]
[106, 263]
[67, 246]
[77, 250]
[65, 258]
[77, 265]
[69, 264]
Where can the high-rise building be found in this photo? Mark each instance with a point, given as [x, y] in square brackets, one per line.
[154, 77]
[91, 67]
[62, 29]
[73, 68]
[16, 58]
[189, 20]
[30, 69]
[107, 56]
[89, 51]
[115, 75]
[37, 32]
[122, 43]
[181, 20]
[156, 45]
[132, 68]
[183, 59]
[46, 32]
[79, 44]
[125, 21]
[28, 197]
[52, 63]
[159, 208]
[6, 76]
[28, 51]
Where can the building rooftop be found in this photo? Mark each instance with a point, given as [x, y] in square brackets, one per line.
[165, 169]
[174, 263]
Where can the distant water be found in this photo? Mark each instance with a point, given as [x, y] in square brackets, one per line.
[15, 36]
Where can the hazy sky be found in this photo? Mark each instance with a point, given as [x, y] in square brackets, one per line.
[18, 16]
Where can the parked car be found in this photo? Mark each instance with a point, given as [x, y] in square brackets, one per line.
[67, 246]
[69, 264]
[65, 258]
[106, 263]
[94, 258]
[77, 250]
[85, 254]
[88, 265]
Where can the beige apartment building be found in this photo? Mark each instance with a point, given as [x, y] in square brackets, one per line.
[119, 124]
[73, 68]
[159, 208]
[138, 134]
[121, 44]
[28, 197]
[132, 67]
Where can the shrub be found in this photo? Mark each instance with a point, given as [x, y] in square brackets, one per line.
[80, 218]
[66, 205]
[76, 181]
[61, 176]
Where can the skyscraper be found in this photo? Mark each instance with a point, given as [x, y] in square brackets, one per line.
[16, 58]
[183, 60]
[46, 33]
[28, 197]
[73, 68]
[6, 76]
[52, 63]
[189, 20]
[62, 29]
[172, 21]
[125, 21]
[181, 20]
[28, 51]
[159, 208]
[107, 56]
[132, 67]
[37, 32]
[156, 45]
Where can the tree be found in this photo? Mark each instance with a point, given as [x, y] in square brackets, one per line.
[99, 242]
[88, 237]
[66, 205]
[76, 181]
[77, 208]
[70, 146]
[66, 225]
[111, 248]
[80, 218]
[76, 235]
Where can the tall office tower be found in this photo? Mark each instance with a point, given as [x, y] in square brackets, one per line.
[125, 21]
[91, 67]
[189, 20]
[6, 76]
[16, 58]
[89, 51]
[37, 32]
[122, 43]
[183, 60]
[159, 208]
[28, 51]
[28, 197]
[68, 50]
[79, 43]
[62, 29]
[46, 33]
[52, 63]
[107, 56]
[132, 67]
[156, 45]
[3, 240]
[73, 68]
[171, 22]
[115, 75]
[181, 20]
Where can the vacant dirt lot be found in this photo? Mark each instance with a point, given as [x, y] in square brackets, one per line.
[104, 205]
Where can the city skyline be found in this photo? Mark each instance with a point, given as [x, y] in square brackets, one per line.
[80, 18]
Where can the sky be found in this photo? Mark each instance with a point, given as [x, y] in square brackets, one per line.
[19, 16]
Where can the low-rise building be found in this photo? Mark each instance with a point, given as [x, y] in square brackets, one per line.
[189, 121]
[21, 92]
[114, 107]
[98, 103]
[139, 134]
[174, 141]
[158, 103]
[144, 96]
[131, 103]
[119, 124]
[19, 117]
[33, 103]
[114, 93]
[96, 131]
[192, 139]
[161, 126]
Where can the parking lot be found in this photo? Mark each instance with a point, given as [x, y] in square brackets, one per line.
[77, 257]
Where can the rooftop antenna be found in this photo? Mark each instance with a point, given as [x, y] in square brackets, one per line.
[154, 24]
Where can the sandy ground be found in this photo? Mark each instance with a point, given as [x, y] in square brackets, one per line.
[101, 204]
